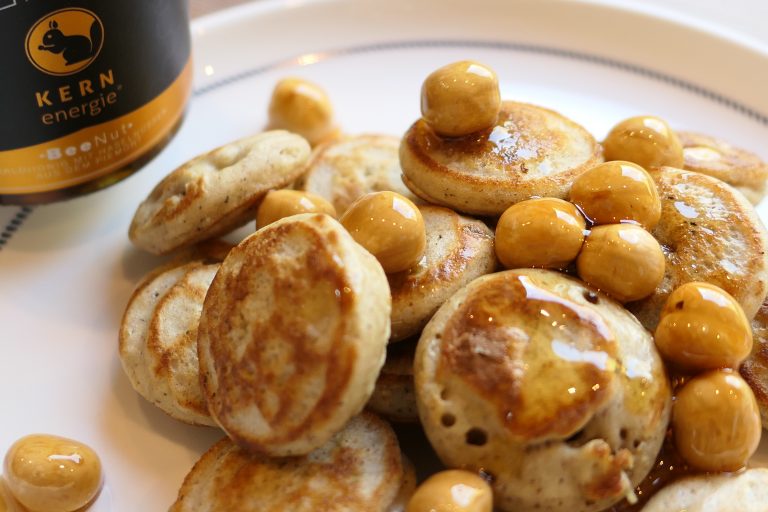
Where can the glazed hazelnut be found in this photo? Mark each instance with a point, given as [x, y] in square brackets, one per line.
[702, 327]
[302, 107]
[461, 98]
[52, 474]
[617, 191]
[283, 203]
[716, 421]
[623, 260]
[545, 232]
[390, 227]
[645, 140]
[453, 490]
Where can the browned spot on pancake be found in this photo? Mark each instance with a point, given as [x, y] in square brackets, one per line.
[296, 347]
[168, 353]
[343, 466]
[510, 335]
[175, 358]
[182, 190]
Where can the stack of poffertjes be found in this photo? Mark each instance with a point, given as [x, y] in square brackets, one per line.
[302, 341]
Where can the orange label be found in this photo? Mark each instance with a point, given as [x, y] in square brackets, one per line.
[96, 150]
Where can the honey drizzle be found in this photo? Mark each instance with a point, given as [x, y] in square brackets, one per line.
[669, 467]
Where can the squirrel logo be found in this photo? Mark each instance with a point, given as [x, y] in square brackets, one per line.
[65, 41]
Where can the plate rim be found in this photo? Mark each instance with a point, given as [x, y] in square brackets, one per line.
[222, 17]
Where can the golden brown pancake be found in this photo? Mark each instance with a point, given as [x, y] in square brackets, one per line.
[358, 469]
[552, 389]
[743, 170]
[158, 340]
[346, 168]
[755, 368]
[393, 397]
[459, 249]
[218, 191]
[292, 335]
[709, 232]
[532, 151]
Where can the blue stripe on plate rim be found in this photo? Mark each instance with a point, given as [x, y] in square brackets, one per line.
[17, 221]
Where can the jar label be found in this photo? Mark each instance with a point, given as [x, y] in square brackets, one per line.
[88, 87]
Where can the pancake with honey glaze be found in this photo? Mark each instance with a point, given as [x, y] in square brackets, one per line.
[158, 340]
[552, 389]
[530, 152]
[293, 334]
[709, 232]
[358, 469]
[741, 492]
[755, 368]
[458, 250]
[217, 192]
[394, 397]
[344, 169]
[744, 171]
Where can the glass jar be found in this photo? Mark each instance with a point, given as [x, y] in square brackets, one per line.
[89, 92]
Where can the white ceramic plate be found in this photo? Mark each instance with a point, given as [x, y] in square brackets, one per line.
[67, 270]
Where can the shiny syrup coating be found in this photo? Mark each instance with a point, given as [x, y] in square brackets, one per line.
[48, 473]
[390, 227]
[702, 327]
[716, 422]
[461, 98]
[623, 260]
[515, 334]
[452, 490]
[617, 191]
[645, 140]
[544, 233]
[669, 467]
[283, 203]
